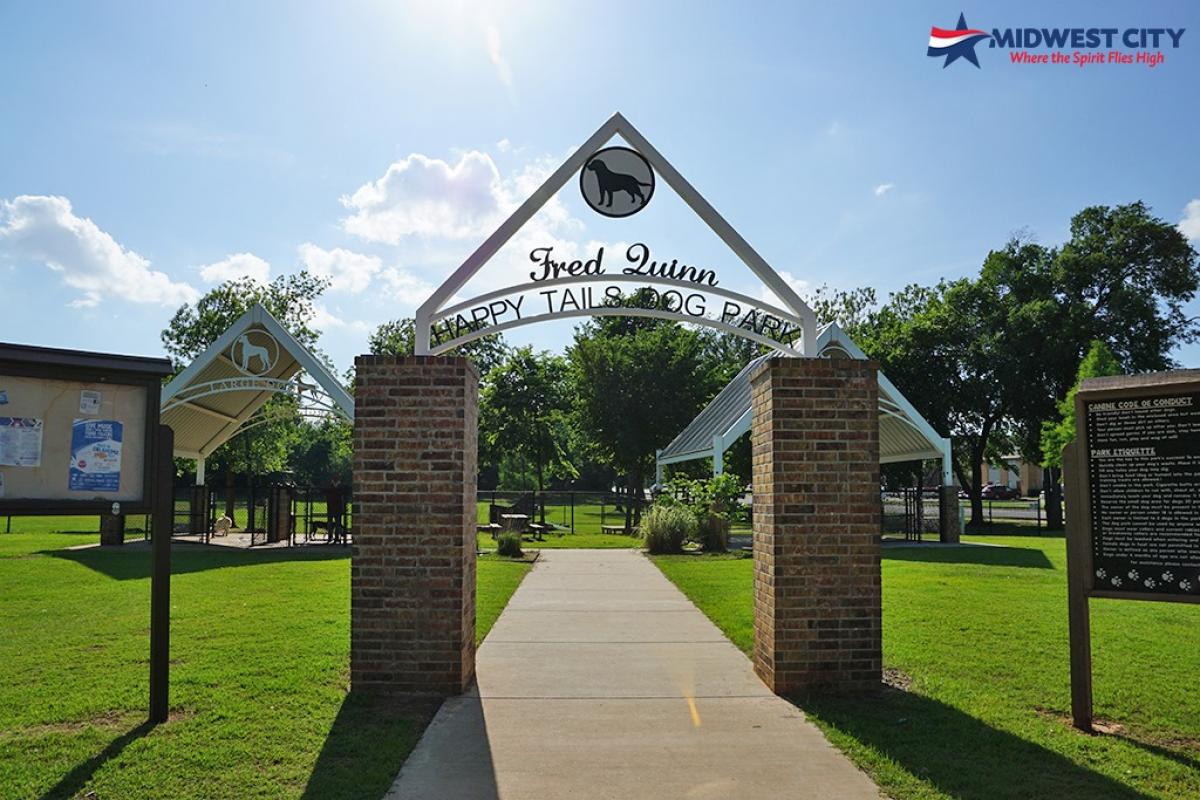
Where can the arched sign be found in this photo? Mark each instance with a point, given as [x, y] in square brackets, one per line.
[617, 182]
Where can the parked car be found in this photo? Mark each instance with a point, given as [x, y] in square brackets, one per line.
[998, 491]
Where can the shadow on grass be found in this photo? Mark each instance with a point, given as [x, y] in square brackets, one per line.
[962, 756]
[966, 554]
[1010, 528]
[369, 741]
[74, 781]
[134, 564]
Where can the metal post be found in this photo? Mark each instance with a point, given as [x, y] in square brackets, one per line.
[718, 454]
[163, 495]
[991, 521]
[1078, 614]
[572, 512]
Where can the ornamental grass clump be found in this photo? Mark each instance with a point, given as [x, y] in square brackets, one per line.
[509, 545]
[667, 527]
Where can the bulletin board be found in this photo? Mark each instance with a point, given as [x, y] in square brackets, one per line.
[76, 436]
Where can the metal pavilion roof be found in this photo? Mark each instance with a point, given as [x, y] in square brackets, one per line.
[220, 392]
[904, 435]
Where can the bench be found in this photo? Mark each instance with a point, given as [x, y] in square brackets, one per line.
[493, 528]
[617, 530]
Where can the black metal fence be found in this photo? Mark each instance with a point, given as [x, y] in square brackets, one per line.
[915, 516]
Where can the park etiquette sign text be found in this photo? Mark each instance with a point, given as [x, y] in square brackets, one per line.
[561, 287]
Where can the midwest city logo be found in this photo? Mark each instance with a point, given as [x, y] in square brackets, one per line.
[1078, 46]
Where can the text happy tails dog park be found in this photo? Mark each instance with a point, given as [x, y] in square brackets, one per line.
[566, 300]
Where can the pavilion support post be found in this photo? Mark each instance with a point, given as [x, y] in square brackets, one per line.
[817, 603]
[718, 454]
[412, 574]
[200, 471]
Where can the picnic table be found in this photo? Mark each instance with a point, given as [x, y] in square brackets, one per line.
[617, 530]
[515, 522]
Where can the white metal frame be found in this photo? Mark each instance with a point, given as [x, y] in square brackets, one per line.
[616, 125]
[892, 403]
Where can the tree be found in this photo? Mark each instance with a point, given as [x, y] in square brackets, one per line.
[525, 407]
[289, 298]
[1122, 278]
[1098, 363]
[398, 337]
[322, 452]
[636, 385]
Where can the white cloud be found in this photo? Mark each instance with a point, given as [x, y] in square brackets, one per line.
[44, 228]
[1189, 226]
[238, 265]
[346, 270]
[405, 286]
[799, 286]
[325, 319]
[495, 51]
[504, 145]
[422, 196]
[883, 189]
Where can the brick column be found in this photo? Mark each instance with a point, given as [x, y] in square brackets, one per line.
[412, 575]
[948, 514]
[817, 608]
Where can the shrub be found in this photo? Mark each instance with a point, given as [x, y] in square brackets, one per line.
[666, 527]
[713, 502]
[509, 545]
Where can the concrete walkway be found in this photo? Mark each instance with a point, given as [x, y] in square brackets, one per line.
[601, 680]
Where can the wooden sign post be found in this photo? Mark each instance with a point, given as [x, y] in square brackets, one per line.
[1133, 503]
[80, 434]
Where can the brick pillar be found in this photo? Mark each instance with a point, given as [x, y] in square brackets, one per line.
[817, 607]
[112, 529]
[948, 514]
[412, 575]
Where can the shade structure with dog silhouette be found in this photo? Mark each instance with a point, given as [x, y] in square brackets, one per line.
[223, 391]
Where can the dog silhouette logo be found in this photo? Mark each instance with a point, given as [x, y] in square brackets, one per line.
[254, 352]
[617, 181]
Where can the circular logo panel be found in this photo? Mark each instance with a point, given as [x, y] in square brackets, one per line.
[617, 181]
[254, 353]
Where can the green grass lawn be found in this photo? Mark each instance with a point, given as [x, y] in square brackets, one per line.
[982, 635]
[260, 659]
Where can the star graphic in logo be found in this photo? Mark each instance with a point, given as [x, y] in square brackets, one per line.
[955, 44]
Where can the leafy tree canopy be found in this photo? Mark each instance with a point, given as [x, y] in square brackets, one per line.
[289, 298]
[1098, 363]
[398, 338]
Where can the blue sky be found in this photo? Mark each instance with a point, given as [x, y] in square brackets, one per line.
[149, 149]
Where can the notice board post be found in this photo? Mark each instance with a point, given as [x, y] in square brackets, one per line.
[80, 434]
[1133, 492]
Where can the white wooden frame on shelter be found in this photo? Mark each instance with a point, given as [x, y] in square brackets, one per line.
[324, 397]
[797, 310]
